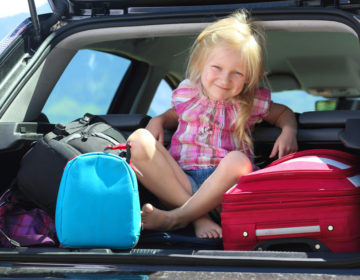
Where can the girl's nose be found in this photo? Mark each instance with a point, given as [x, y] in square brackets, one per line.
[225, 77]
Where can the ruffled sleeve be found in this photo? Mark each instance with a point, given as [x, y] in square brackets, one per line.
[261, 107]
[184, 92]
[262, 102]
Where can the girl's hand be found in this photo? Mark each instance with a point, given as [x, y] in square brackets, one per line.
[285, 144]
[167, 120]
[155, 126]
[284, 118]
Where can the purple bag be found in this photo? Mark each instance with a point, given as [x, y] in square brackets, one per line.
[22, 225]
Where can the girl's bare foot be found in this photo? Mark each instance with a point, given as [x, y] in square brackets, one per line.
[207, 228]
[156, 219]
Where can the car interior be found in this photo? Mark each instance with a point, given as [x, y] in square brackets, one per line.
[319, 57]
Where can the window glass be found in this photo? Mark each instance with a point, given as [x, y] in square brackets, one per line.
[162, 100]
[12, 14]
[297, 100]
[87, 85]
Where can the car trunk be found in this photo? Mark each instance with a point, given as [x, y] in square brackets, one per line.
[296, 37]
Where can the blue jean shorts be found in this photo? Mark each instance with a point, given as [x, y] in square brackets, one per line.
[197, 177]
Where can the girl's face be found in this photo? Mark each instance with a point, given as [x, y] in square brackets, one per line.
[223, 74]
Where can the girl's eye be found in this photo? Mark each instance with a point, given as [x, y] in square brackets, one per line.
[216, 67]
[239, 74]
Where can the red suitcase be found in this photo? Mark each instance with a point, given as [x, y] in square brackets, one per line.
[309, 198]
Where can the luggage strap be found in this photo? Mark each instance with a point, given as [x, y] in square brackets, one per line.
[62, 130]
[123, 146]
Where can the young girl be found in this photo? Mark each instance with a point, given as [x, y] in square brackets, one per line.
[214, 111]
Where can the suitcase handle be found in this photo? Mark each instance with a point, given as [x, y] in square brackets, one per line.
[294, 229]
[292, 244]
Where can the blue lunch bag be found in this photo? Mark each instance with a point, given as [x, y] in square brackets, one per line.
[98, 203]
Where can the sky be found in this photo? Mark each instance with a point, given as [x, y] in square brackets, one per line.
[13, 7]
[13, 12]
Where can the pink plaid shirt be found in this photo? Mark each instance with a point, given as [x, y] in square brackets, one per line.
[205, 133]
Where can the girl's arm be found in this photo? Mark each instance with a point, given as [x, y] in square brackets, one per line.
[283, 117]
[167, 120]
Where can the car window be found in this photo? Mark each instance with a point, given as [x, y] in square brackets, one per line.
[301, 101]
[297, 100]
[87, 85]
[162, 99]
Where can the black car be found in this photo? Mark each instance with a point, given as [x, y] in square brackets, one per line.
[126, 57]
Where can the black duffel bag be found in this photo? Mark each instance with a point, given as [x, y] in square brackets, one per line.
[42, 166]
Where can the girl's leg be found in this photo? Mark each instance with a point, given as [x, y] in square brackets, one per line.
[157, 170]
[208, 197]
[162, 176]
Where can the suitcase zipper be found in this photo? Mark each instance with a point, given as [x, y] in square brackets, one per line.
[237, 205]
[290, 195]
[73, 136]
[11, 241]
[89, 132]
[105, 137]
[84, 135]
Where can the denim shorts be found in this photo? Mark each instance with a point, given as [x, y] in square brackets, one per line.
[197, 177]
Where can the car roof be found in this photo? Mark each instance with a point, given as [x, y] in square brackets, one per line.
[116, 7]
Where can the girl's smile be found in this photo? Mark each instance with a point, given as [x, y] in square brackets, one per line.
[223, 75]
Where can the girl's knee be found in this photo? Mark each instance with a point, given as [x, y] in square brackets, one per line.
[142, 144]
[139, 135]
[236, 163]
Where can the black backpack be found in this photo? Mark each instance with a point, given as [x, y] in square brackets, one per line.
[42, 166]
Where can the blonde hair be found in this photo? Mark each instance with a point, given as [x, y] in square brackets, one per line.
[238, 32]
